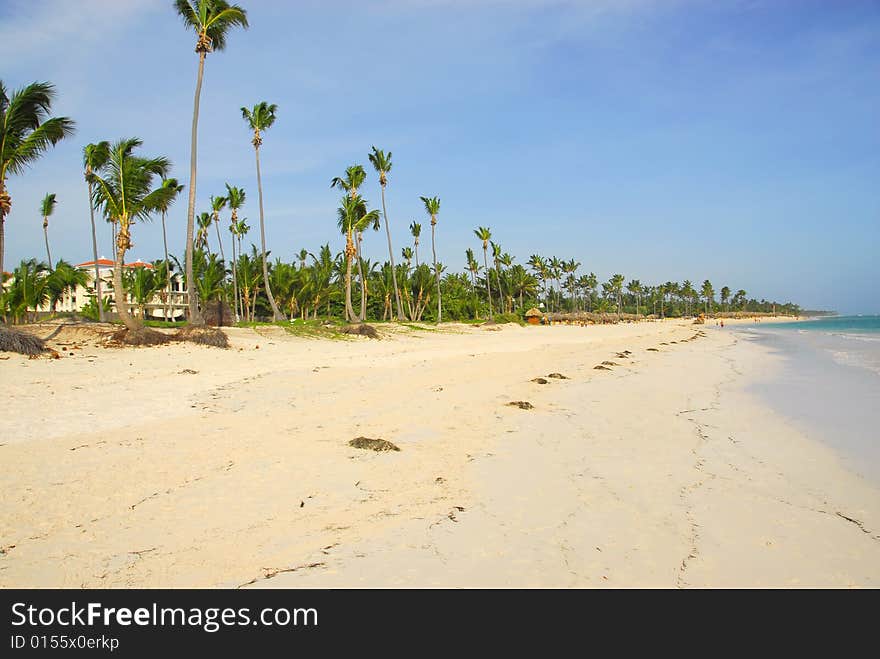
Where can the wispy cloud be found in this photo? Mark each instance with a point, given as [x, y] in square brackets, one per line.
[38, 31]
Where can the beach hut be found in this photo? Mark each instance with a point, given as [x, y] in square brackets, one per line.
[533, 316]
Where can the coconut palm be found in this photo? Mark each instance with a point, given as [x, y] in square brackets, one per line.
[484, 234]
[416, 230]
[635, 289]
[217, 205]
[260, 119]
[164, 205]
[211, 20]
[123, 189]
[26, 132]
[94, 157]
[432, 208]
[235, 198]
[496, 256]
[351, 214]
[47, 207]
[382, 164]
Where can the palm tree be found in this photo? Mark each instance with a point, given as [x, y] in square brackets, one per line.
[354, 178]
[164, 206]
[616, 283]
[725, 295]
[217, 205]
[204, 222]
[64, 280]
[235, 198]
[123, 189]
[47, 206]
[432, 207]
[484, 234]
[211, 20]
[259, 120]
[94, 157]
[708, 294]
[416, 230]
[351, 214]
[635, 289]
[382, 164]
[26, 132]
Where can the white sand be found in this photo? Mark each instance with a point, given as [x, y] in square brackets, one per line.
[118, 470]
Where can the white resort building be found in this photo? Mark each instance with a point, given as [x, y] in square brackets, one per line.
[173, 301]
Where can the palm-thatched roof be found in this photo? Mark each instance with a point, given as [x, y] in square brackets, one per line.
[534, 313]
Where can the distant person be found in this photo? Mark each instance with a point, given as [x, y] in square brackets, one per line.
[722, 323]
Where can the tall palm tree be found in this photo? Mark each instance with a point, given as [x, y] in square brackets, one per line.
[352, 213]
[26, 132]
[432, 208]
[94, 157]
[235, 198]
[484, 234]
[47, 207]
[123, 190]
[164, 205]
[496, 255]
[217, 205]
[260, 119]
[416, 230]
[382, 164]
[211, 20]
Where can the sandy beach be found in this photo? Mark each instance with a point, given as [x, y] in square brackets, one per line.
[186, 466]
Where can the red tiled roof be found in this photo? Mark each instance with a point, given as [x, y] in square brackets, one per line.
[107, 263]
[101, 262]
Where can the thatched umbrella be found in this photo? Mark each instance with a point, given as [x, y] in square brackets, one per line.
[533, 316]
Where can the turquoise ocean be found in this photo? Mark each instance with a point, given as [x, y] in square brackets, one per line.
[829, 385]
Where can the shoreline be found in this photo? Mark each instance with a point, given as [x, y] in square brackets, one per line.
[240, 475]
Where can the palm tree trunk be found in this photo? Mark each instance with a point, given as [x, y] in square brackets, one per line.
[360, 237]
[235, 283]
[416, 249]
[488, 282]
[132, 324]
[276, 314]
[350, 252]
[46, 236]
[195, 315]
[5, 202]
[220, 241]
[436, 273]
[98, 294]
[391, 256]
[167, 270]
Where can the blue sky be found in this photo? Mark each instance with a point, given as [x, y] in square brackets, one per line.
[662, 139]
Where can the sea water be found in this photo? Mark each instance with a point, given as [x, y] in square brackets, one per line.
[829, 383]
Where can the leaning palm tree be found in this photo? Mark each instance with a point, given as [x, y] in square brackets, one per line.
[164, 206]
[47, 207]
[94, 157]
[123, 189]
[432, 207]
[382, 163]
[259, 119]
[484, 234]
[211, 20]
[235, 200]
[26, 132]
